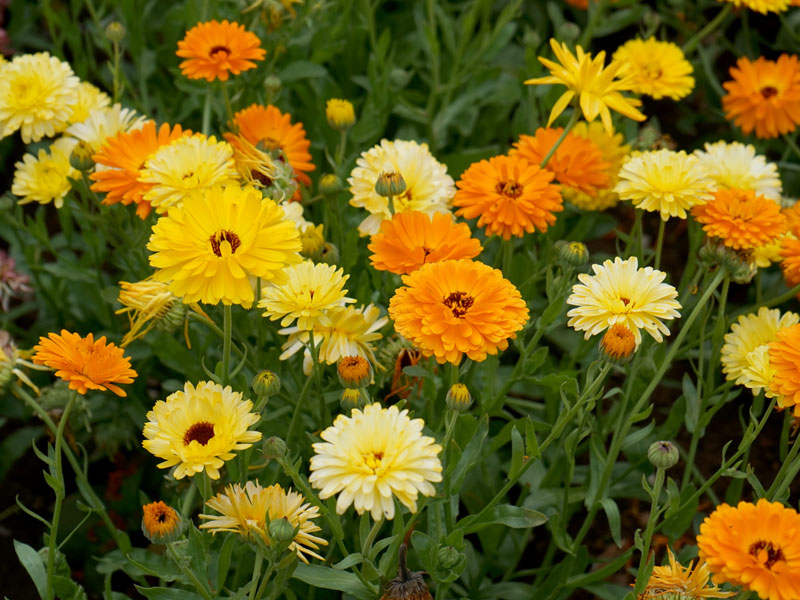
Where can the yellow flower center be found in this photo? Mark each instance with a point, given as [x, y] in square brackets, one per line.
[199, 432]
[511, 188]
[224, 243]
[24, 93]
[766, 553]
[219, 52]
[373, 460]
[459, 303]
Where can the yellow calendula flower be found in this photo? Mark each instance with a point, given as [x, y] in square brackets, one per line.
[373, 456]
[762, 6]
[340, 114]
[198, 428]
[104, 123]
[37, 96]
[90, 99]
[212, 247]
[255, 166]
[46, 177]
[597, 86]
[676, 581]
[736, 165]
[656, 69]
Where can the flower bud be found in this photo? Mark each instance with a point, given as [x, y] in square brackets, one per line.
[390, 184]
[274, 448]
[313, 241]
[447, 557]
[272, 84]
[458, 398]
[618, 343]
[574, 254]
[329, 254]
[161, 524]
[340, 114]
[663, 454]
[81, 157]
[354, 372]
[352, 398]
[329, 184]
[265, 383]
[115, 32]
[568, 31]
[281, 530]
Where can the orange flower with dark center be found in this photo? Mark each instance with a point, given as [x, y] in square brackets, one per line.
[577, 163]
[509, 195]
[213, 49]
[742, 220]
[412, 239]
[456, 307]
[764, 95]
[784, 358]
[125, 155]
[85, 363]
[160, 522]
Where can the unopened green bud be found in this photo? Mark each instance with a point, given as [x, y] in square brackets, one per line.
[329, 254]
[447, 557]
[81, 157]
[313, 241]
[174, 317]
[575, 254]
[352, 398]
[390, 184]
[272, 84]
[274, 448]
[663, 454]
[281, 530]
[329, 184]
[115, 32]
[458, 398]
[568, 31]
[266, 383]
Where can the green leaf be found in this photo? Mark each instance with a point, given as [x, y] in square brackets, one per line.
[516, 517]
[331, 579]
[531, 442]
[614, 524]
[33, 564]
[350, 560]
[162, 593]
[301, 69]
[470, 456]
[517, 453]
[692, 403]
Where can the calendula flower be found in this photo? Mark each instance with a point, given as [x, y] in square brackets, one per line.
[13, 284]
[255, 167]
[198, 428]
[428, 187]
[577, 163]
[763, 6]
[214, 49]
[755, 546]
[411, 239]
[124, 156]
[340, 114]
[307, 294]
[764, 95]
[509, 196]
[456, 307]
[11, 361]
[161, 523]
[248, 510]
[618, 343]
[213, 247]
[742, 220]
[46, 177]
[790, 265]
[188, 164]
[85, 363]
[784, 359]
[736, 165]
[598, 87]
[684, 583]
[103, 123]
[664, 181]
[656, 69]
[621, 292]
[373, 456]
[37, 95]
[90, 98]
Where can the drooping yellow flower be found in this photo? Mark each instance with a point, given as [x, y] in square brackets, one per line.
[373, 456]
[656, 69]
[213, 247]
[736, 165]
[598, 87]
[198, 428]
[90, 98]
[37, 95]
[762, 6]
[684, 583]
[104, 123]
[621, 292]
[46, 177]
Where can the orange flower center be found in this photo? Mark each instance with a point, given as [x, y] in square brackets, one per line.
[512, 189]
[220, 52]
[458, 303]
[199, 432]
[766, 553]
[768, 92]
[224, 243]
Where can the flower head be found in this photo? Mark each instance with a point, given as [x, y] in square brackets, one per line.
[790, 263]
[354, 372]
[85, 363]
[340, 114]
[763, 6]
[211, 248]
[90, 99]
[198, 428]
[160, 522]
[373, 456]
[13, 283]
[684, 583]
[103, 123]
[736, 165]
[742, 220]
[456, 307]
[657, 69]
[618, 343]
[255, 166]
[213, 49]
[46, 177]
[620, 292]
[784, 359]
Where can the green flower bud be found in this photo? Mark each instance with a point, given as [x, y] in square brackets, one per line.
[274, 448]
[663, 454]
[352, 398]
[575, 254]
[568, 32]
[272, 84]
[266, 383]
[447, 557]
[173, 318]
[390, 184]
[81, 157]
[329, 254]
[115, 32]
[281, 530]
[458, 398]
[329, 184]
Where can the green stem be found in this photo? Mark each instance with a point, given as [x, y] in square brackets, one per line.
[256, 573]
[373, 533]
[207, 112]
[227, 328]
[659, 242]
[227, 98]
[188, 500]
[787, 472]
[570, 124]
[712, 25]
[117, 86]
[188, 572]
[340, 149]
[649, 530]
[790, 142]
[265, 581]
[295, 415]
[597, 11]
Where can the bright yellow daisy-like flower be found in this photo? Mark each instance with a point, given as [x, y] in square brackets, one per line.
[597, 86]
[188, 164]
[90, 98]
[742, 220]
[429, 188]
[784, 359]
[308, 293]
[755, 546]
[198, 428]
[46, 177]
[621, 292]
[213, 247]
[736, 165]
[37, 95]
[656, 69]
[373, 456]
[684, 583]
[248, 511]
[104, 123]
[762, 6]
[666, 182]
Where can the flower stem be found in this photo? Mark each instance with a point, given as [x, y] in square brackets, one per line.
[373, 533]
[570, 124]
[256, 573]
[227, 327]
[340, 148]
[188, 500]
[659, 242]
[227, 98]
[597, 9]
[207, 112]
[649, 530]
[691, 45]
[116, 71]
[787, 472]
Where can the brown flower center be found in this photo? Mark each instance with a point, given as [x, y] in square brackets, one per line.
[512, 189]
[217, 49]
[768, 92]
[224, 243]
[766, 553]
[161, 516]
[261, 177]
[459, 303]
[199, 432]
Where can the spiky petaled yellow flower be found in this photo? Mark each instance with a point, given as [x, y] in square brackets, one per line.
[747, 335]
[254, 166]
[614, 150]
[213, 247]
[46, 177]
[198, 428]
[656, 69]
[666, 182]
[248, 511]
[736, 165]
[37, 96]
[598, 87]
[104, 123]
[755, 546]
[90, 98]
[308, 293]
[762, 6]
[340, 114]
[683, 583]
[373, 456]
[621, 292]
[741, 219]
[429, 188]
[188, 164]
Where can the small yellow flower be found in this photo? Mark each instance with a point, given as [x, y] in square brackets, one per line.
[340, 114]
[676, 581]
[46, 177]
[656, 69]
[763, 6]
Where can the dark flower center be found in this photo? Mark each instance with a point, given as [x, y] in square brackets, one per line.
[773, 554]
[161, 517]
[769, 91]
[459, 303]
[261, 178]
[217, 49]
[199, 432]
[512, 189]
[230, 239]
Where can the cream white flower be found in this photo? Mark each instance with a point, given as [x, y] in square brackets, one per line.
[103, 123]
[736, 165]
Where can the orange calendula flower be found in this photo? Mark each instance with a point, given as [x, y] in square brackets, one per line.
[509, 195]
[764, 95]
[784, 359]
[742, 220]
[125, 155]
[755, 546]
[161, 523]
[577, 163]
[410, 239]
[212, 49]
[790, 254]
[85, 363]
[456, 307]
